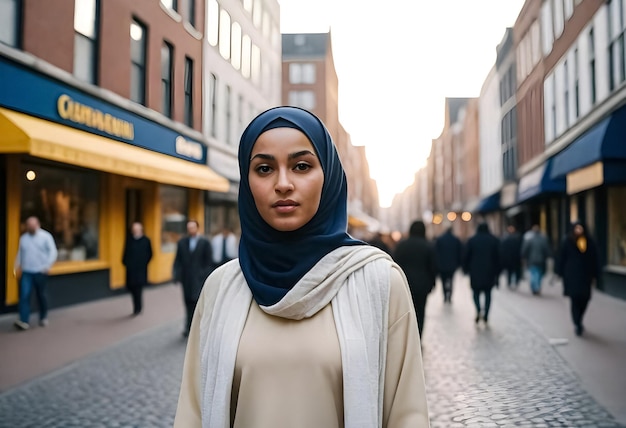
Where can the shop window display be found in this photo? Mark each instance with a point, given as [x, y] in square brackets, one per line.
[174, 203]
[66, 201]
[617, 226]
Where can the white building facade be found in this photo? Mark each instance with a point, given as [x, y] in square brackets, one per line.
[241, 78]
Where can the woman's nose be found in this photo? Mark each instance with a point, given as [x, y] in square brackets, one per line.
[283, 182]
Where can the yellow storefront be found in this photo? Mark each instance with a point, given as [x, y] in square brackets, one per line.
[87, 189]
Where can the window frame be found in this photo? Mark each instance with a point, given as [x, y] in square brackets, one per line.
[167, 78]
[188, 86]
[136, 66]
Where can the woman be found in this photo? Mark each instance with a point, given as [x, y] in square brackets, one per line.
[578, 266]
[309, 327]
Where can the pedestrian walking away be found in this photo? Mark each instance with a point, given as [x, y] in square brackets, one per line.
[535, 253]
[511, 256]
[309, 327]
[578, 266]
[36, 254]
[192, 265]
[137, 254]
[449, 252]
[482, 263]
[224, 246]
[416, 257]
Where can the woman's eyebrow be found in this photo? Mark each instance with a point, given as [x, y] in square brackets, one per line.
[290, 156]
[262, 156]
[300, 153]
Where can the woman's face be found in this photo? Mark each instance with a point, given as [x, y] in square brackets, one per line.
[286, 178]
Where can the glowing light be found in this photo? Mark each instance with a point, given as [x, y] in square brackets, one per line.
[451, 216]
[437, 218]
[466, 216]
[30, 175]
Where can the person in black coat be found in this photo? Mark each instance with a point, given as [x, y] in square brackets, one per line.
[192, 265]
[449, 253]
[482, 263]
[137, 255]
[578, 266]
[511, 256]
[416, 256]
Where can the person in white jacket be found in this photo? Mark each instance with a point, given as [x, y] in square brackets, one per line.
[309, 327]
[224, 246]
[36, 254]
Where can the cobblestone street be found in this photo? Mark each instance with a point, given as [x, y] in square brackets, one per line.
[133, 384]
[504, 375]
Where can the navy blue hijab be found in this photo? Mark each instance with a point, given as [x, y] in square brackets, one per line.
[272, 261]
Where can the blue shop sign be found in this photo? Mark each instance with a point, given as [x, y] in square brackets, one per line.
[28, 92]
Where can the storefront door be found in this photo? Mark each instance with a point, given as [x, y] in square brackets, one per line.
[134, 207]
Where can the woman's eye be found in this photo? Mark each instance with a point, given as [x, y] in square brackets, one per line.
[263, 169]
[302, 167]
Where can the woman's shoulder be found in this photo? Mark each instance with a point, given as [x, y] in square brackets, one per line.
[215, 280]
[400, 302]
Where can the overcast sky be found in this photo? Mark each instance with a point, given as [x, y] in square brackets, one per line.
[396, 61]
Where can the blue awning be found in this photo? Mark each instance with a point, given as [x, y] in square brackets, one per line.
[489, 204]
[604, 141]
[539, 182]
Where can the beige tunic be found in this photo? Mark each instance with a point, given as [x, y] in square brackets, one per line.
[288, 373]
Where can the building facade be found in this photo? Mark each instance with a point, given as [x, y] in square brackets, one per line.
[241, 78]
[310, 81]
[585, 120]
[100, 112]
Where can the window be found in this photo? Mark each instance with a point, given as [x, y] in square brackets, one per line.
[188, 88]
[301, 73]
[174, 203]
[66, 201]
[138, 62]
[617, 226]
[246, 54]
[10, 11]
[303, 99]
[592, 66]
[247, 5]
[213, 98]
[255, 67]
[224, 34]
[257, 13]
[213, 24]
[235, 56]
[85, 40]
[576, 85]
[191, 12]
[170, 4]
[229, 114]
[166, 78]
[240, 118]
[617, 55]
[566, 94]
[568, 7]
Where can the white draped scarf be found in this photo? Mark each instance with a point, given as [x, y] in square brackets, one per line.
[356, 280]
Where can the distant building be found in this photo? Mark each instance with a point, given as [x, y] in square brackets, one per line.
[310, 82]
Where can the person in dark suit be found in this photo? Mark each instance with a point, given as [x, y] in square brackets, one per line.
[482, 263]
[511, 256]
[579, 267]
[137, 255]
[416, 256]
[192, 265]
[449, 251]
